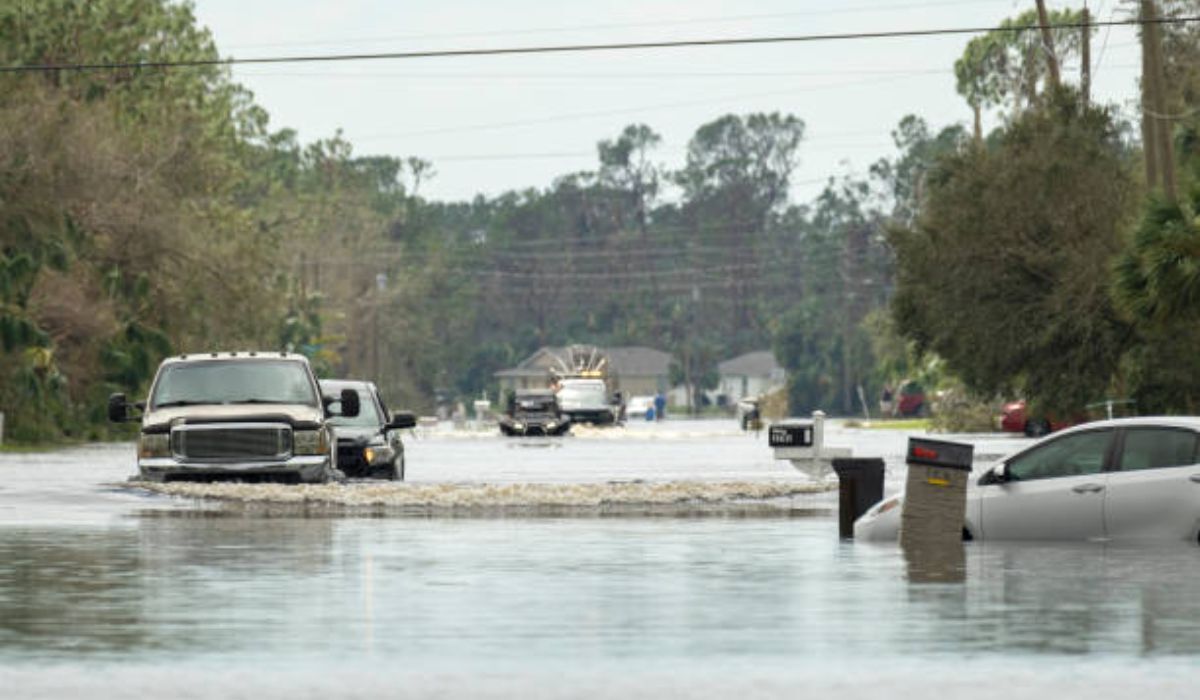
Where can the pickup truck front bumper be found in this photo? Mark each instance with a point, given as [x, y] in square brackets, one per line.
[316, 468]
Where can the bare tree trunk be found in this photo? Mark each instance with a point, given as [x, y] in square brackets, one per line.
[978, 123]
[1085, 79]
[1149, 125]
[1048, 45]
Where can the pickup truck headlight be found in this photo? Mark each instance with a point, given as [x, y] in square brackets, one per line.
[378, 454]
[309, 442]
[154, 445]
[519, 426]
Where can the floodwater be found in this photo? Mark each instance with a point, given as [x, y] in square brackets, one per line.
[664, 560]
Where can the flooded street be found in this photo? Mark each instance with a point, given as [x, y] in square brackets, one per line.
[146, 594]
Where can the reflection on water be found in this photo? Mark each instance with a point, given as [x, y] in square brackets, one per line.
[156, 595]
[938, 562]
[483, 589]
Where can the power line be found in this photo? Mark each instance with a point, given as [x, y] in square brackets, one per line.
[621, 75]
[577, 48]
[578, 116]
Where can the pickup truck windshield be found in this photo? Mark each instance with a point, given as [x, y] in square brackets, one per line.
[232, 382]
[367, 416]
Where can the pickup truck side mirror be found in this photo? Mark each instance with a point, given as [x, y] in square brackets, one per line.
[350, 403]
[118, 408]
[401, 420]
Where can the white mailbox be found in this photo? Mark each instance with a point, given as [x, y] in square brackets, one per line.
[802, 442]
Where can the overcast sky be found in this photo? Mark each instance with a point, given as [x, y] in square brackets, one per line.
[498, 123]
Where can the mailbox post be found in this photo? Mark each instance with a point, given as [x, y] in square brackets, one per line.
[935, 494]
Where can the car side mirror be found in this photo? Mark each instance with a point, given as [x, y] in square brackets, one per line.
[1000, 473]
[402, 421]
[118, 408]
[350, 405]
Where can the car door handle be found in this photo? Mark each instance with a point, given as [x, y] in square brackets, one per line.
[1195, 478]
[1088, 488]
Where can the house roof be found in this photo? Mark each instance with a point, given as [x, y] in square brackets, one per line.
[638, 361]
[631, 361]
[760, 363]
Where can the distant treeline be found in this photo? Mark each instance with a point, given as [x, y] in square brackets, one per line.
[145, 212]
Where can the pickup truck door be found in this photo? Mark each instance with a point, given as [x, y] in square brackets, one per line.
[1054, 491]
[1154, 491]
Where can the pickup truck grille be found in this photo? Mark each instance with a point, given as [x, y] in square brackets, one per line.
[349, 454]
[231, 442]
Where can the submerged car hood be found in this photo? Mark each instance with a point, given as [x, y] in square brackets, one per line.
[297, 415]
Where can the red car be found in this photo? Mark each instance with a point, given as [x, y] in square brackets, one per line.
[1013, 419]
[911, 401]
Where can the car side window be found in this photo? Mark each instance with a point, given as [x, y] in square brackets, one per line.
[1156, 448]
[1071, 455]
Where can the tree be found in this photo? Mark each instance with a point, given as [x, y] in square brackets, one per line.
[1005, 68]
[1005, 273]
[920, 150]
[625, 166]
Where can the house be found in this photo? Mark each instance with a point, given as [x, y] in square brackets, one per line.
[636, 370]
[749, 375]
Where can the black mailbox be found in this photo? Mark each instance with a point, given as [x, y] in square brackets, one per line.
[860, 486]
[790, 435]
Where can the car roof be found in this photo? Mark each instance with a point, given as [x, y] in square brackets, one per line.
[1192, 422]
[235, 355]
[1186, 422]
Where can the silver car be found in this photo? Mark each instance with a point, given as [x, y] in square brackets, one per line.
[1125, 479]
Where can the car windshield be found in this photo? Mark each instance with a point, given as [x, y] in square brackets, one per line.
[368, 414]
[536, 404]
[233, 382]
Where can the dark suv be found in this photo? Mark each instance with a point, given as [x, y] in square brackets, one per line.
[368, 444]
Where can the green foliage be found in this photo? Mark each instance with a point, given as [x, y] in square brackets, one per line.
[1005, 274]
[1005, 68]
[810, 352]
[1157, 286]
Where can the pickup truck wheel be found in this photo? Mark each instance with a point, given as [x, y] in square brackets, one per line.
[334, 475]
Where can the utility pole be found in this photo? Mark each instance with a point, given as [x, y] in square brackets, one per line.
[1156, 111]
[1085, 67]
[1149, 126]
[380, 287]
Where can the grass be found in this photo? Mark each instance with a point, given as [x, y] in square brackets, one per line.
[891, 424]
[9, 447]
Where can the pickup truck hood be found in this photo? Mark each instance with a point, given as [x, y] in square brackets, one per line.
[356, 434]
[297, 415]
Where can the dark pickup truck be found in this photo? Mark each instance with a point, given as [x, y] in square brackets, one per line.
[534, 413]
[241, 416]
